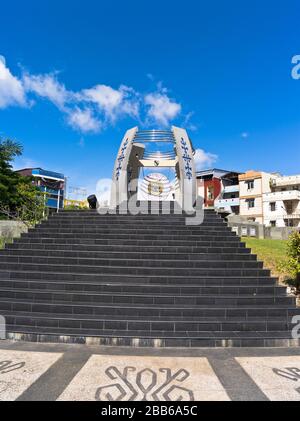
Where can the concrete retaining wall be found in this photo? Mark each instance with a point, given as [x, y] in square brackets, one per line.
[12, 229]
[277, 233]
[245, 228]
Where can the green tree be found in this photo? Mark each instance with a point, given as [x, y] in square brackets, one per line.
[19, 198]
[8, 178]
[292, 264]
[9, 149]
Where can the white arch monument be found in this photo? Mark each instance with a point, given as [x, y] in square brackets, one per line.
[133, 155]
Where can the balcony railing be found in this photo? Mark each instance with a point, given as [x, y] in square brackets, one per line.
[282, 195]
[231, 189]
[222, 203]
[288, 180]
[295, 215]
[284, 215]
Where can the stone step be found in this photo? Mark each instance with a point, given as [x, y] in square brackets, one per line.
[213, 231]
[114, 248]
[140, 288]
[203, 295]
[153, 339]
[225, 270]
[204, 307]
[111, 212]
[205, 314]
[132, 262]
[134, 278]
[138, 234]
[78, 254]
[128, 223]
[131, 221]
[178, 217]
[229, 242]
[111, 218]
[122, 322]
[140, 213]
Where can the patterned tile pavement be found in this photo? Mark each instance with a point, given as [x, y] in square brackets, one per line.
[50, 372]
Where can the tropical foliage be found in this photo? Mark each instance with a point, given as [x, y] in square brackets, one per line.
[19, 198]
[292, 263]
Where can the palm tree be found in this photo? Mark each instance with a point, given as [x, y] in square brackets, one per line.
[9, 149]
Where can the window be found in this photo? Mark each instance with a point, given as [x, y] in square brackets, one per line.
[210, 193]
[273, 223]
[250, 184]
[250, 203]
[273, 206]
[244, 232]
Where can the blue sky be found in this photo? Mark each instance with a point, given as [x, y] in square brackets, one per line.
[74, 75]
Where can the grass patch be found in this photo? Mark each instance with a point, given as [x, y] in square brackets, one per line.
[271, 252]
[4, 241]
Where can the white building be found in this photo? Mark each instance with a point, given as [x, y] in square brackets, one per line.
[229, 200]
[253, 185]
[281, 206]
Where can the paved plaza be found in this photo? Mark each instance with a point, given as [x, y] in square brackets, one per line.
[50, 372]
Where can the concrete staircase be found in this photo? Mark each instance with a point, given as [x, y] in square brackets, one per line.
[145, 280]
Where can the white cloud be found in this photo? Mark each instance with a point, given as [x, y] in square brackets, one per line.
[47, 86]
[11, 88]
[204, 159]
[88, 110]
[83, 120]
[113, 103]
[245, 135]
[162, 108]
[104, 96]
[187, 124]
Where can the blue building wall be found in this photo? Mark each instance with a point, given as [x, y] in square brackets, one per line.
[50, 182]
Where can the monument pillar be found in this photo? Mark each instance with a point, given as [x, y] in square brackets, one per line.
[119, 189]
[185, 168]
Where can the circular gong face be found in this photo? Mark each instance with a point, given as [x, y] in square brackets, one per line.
[156, 184]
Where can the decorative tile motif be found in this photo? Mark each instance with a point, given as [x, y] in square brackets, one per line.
[187, 159]
[144, 382]
[121, 158]
[19, 369]
[135, 378]
[277, 377]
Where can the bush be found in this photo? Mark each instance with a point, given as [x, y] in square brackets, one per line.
[3, 241]
[292, 264]
[31, 207]
[75, 207]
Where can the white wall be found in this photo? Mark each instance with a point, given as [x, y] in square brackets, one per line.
[255, 212]
[279, 215]
[257, 190]
[261, 185]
